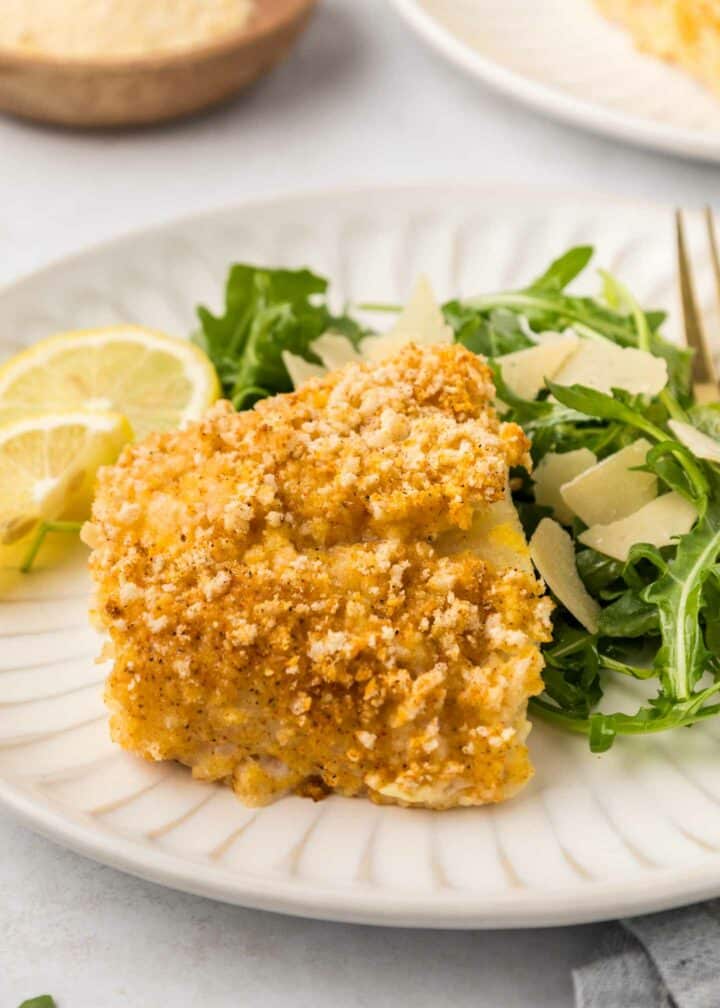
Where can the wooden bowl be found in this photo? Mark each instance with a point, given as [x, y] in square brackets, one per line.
[127, 91]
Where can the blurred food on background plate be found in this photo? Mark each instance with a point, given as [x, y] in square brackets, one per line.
[686, 32]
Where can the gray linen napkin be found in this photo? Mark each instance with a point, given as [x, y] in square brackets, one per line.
[665, 960]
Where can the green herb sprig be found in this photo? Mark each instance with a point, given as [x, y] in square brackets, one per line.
[267, 311]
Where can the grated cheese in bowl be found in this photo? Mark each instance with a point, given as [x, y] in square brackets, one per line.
[118, 28]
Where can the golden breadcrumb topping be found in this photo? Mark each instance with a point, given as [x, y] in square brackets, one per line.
[686, 32]
[281, 614]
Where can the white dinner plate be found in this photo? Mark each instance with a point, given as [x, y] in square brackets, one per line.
[593, 836]
[564, 58]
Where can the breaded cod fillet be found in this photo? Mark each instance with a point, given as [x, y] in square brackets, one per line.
[684, 31]
[294, 605]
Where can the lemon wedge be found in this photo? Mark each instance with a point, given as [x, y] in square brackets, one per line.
[48, 465]
[156, 381]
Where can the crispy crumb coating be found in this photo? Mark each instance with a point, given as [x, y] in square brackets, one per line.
[282, 617]
[687, 32]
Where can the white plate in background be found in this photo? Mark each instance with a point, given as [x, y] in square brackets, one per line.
[637, 829]
[562, 57]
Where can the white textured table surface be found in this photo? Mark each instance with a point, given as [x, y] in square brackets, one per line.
[360, 101]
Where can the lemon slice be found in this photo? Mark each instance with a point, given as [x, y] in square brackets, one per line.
[156, 381]
[48, 465]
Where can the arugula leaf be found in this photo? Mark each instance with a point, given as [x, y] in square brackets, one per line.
[673, 605]
[660, 615]
[547, 310]
[573, 696]
[571, 672]
[559, 433]
[678, 359]
[633, 669]
[670, 460]
[706, 418]
[563, 270]
[659, 715]
[596, 570]
[528, 409]
[267, 311]
[675, 466]
[629, 616]
[491, 334]
[682, 658]
[546, 305]
[711, 618]
[679, 365]
[618, 407]
[665, 600]
[643, 565]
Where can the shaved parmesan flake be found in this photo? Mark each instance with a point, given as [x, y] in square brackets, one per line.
[701, 445]
[550, 335]
[603, 366]
[495, 535]
[299, 369]
[657, 523]
[524, 371]
[421, 322]
[553, 472]
[335, 351]
[610, 490]
[552, 552]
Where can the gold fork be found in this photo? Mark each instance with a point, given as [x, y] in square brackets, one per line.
[705, 379]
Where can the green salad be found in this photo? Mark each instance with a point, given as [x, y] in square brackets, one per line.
[623, 507]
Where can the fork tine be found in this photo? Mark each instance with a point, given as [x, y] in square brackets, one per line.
[703, 367]
[715, 258]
